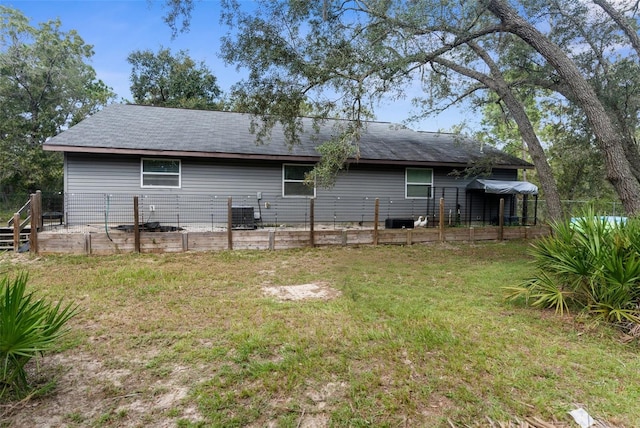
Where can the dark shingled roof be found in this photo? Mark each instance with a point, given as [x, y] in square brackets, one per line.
[133, 129]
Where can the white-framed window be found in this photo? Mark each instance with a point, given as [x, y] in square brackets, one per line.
[160, 172]
[293, 181]
[418, 183]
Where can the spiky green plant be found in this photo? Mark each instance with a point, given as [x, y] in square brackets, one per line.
[28, 326]
[590, 264]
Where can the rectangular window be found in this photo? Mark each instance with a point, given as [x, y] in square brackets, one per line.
[419, 182]
[160, 173]
[293, 181]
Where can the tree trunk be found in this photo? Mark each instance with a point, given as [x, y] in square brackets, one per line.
[538, 156]
[631, 149]
[622, 22]
[498, 84]
[609, 139]
[633, 156]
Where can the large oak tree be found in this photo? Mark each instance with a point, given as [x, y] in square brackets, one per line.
[172, 80]
[344, 57]
[46, 85]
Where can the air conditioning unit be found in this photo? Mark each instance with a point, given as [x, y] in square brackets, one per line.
[398, 223]
[242, 218]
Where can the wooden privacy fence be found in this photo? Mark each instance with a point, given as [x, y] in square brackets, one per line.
[275, 238]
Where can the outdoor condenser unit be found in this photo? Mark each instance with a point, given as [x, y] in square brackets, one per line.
[242, 218]
[398, 223]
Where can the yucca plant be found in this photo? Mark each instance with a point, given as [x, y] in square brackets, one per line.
[28, 327]
[590, 264]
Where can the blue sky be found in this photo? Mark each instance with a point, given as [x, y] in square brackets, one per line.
[115, 28]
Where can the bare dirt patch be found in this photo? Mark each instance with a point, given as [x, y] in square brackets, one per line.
[18, 259]
[311, 291]
[88, 392]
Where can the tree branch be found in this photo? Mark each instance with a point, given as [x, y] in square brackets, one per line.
[624, 24]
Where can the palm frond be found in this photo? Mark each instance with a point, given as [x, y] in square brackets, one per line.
[27, 327]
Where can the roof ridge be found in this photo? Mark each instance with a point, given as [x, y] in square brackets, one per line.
[335, 119]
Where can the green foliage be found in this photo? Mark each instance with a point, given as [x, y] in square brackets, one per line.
[175, 10]
[590, 263]
[335, 154]
[348, 57]
[163, 79]
[344, 57]
[28, 327]
[544, 291]
[45, 86]
[574, 83]
[577, 163]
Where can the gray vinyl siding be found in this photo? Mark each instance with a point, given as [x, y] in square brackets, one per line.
[98, 186]
[121, 174]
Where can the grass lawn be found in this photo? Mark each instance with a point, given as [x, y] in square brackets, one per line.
[413, 336]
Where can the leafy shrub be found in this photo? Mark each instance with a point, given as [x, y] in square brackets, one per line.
[590, 264]
[27, 327]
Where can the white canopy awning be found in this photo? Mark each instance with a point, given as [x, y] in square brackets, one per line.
[503, 187]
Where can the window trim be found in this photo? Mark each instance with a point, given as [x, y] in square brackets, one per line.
[407, 183]
[173, 174]
[284, 181]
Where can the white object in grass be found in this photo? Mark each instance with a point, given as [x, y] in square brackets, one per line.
[582, 418]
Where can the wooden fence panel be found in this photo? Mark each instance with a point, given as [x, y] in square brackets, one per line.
[395, 236]
[330, 237]
[153, 242]
[291, 239]
[422, 235]
[62, 243]
[537, 232]
[457, 234]
[360, 237]
[100, 244]
[251, 240]
[489, 233]
[162, 242]
[513, 233]
[207, 241]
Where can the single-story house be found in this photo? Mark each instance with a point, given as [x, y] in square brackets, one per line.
[167, 156]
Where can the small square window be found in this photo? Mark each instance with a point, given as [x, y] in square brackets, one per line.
[418, 183]
[293, 181]
[160, 173]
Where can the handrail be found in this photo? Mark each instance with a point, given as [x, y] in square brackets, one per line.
[25, 222]
[21, 211]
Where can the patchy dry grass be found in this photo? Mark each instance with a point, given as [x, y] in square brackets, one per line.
[400, 336]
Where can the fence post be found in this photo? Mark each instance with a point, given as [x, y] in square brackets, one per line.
[376, 215]
[16, 232]
[311, 221]
[38, 218]
[33, 232]
[136, 225]
[441, 221]
[501, 220]
[229, 223]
